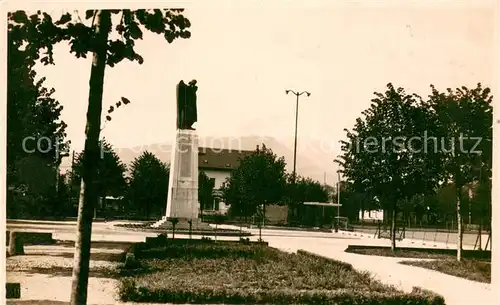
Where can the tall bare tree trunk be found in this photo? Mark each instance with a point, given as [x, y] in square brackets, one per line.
[264, 214]
[393, 229]
[16, 246]
[88, 192]
[459, 223]
[362, 214]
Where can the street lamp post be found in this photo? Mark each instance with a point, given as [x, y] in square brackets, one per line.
[58, 169]
[297, 94]
[363, 206]
[338, 198]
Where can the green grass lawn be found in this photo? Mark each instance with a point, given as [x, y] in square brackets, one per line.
[474, 270]
[237, 273]
[470, 267]
[398, 253]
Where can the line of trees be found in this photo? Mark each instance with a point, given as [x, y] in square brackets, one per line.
[139, 191]
[109, 36]
[33, 119]
[261, 179]
[411, 153]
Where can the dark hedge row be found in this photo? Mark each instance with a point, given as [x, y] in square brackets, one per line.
[182, 231]
[33, 238]
[237, 273]
[205, 251]
[386, 251]
[130, 292]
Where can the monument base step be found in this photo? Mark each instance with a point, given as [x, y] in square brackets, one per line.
[183, 225]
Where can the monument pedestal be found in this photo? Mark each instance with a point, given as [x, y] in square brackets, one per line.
[183, 225]
[182, 202]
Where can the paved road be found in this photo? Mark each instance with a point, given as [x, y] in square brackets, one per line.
[456, 291]
[430, 237]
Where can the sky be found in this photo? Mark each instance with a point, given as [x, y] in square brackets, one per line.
[244, 58]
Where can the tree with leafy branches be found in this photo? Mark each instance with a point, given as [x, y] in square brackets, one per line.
[381, 154]
[148, 191]
[332, 192]
[94, 34]
[481, 207]
[260, 179]
[110, 173]
[354, 199]
[205, 190]
[306, 190]
[481, 202]
[445, 199]
[33, 117]
[311, 190]
[463, 118]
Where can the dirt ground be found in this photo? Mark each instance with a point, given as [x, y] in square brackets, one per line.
[43, 268]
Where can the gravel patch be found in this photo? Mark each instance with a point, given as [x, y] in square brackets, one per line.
[57, 260]
[45, 273]
[46, 289]
[53, 265]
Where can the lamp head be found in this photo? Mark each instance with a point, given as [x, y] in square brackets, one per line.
[308, 94]
[286, 91]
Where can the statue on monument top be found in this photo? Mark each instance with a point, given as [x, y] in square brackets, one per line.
[186, 105]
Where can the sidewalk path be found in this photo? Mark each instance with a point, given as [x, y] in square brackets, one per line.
[455, 290]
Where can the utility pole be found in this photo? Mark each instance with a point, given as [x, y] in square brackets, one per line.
[71, 177]
[58, 169]
[297, 94]
[72, 161]
[338, 198]
[294, 175]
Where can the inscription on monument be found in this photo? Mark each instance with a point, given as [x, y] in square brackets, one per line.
[185, 162]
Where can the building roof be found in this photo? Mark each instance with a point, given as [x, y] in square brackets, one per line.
[324, 204]
[220, 159]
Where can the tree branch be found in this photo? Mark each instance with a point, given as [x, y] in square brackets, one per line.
[93, 19]
[77, 15]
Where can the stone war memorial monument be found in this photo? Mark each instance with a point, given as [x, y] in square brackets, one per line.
[182, 202]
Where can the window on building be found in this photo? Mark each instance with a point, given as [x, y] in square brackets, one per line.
[216, 204]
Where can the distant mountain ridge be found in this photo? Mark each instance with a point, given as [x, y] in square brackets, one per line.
[312, 160]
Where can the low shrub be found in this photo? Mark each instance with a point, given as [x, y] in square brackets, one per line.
[162, 240]
[33, 238]
[238, 273]
[129, 292]
[417, 252]
[131, 262]
[215, 218]
[202, 250]
[127, 288]
[327, 261]
[15, 245]
[182, 241]
[12, 290]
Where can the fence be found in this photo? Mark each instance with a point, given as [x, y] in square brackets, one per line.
[472, 238]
